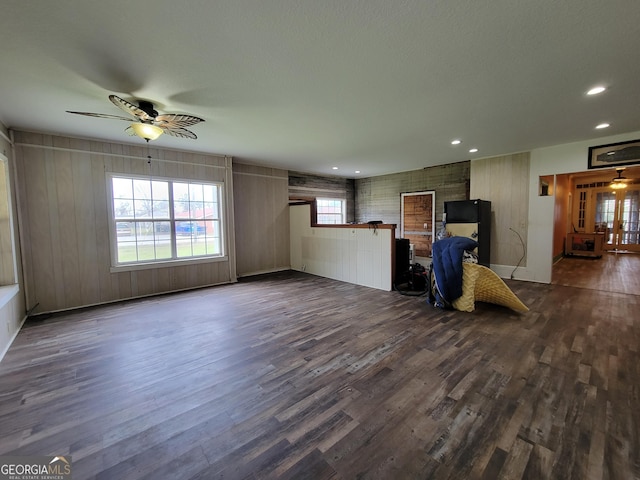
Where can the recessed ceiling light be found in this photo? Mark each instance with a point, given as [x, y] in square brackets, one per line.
[334, 168]
[473, 150]
[456, 142]
[596, 90]
[602, 125]
[357, 171]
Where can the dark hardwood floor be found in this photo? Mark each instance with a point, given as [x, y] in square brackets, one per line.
[294, 376]
[614, 272]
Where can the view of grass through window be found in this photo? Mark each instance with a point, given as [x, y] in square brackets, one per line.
[159, 220]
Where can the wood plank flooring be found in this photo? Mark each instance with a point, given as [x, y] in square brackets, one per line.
[614, 272]
[298, 377]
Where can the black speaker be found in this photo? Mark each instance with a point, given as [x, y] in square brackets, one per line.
[402, 258]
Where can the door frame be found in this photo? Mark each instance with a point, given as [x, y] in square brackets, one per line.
[617, 230]
[426, 231]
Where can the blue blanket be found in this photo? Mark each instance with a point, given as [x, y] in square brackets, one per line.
[447, 265]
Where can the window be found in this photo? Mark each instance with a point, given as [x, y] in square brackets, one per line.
[330, 210]
[157, 220]
[8, 265]
[582, 208]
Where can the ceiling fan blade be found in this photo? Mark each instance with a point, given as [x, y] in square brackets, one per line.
[179, 132]
[102, 115]
[171, 123]
[130, 108]
[176, 120]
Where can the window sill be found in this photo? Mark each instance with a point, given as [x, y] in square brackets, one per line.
[7, 292]
[166, 264]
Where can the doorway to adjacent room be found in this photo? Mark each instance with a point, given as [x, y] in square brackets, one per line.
[616, 214]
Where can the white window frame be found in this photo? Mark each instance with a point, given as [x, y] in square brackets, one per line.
[343, 210]
[174, 260]
[8, 234]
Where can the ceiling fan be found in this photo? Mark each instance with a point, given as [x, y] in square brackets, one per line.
[619, 181]
[145, 121]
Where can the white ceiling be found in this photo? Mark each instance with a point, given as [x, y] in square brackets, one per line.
[378, 86]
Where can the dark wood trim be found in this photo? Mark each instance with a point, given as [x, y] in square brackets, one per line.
[313, 221]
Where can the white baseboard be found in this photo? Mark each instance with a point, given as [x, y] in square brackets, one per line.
[520, 273]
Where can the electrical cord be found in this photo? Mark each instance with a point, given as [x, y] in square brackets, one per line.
[524, 251]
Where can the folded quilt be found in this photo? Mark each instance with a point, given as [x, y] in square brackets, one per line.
[447, 265]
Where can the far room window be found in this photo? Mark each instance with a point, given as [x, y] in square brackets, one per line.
[161, 220]
[330, 210]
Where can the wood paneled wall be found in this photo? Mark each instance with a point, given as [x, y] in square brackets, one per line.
[505, 182]
[561, 213]
[355, 254]
[304, 186]
[378, 198]
[261, 204]
[63, 203]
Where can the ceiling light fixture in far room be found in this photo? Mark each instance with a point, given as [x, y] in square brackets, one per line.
[619, 182]
[456, 142]
[334, 168]
[596, 90]
[473, 150]
[357, 171]
[146, 131]
[602, 125]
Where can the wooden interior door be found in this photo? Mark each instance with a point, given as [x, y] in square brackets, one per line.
[418, 220]
[619, 212]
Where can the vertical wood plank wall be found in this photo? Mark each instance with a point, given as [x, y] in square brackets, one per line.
[304, 186]
[261, 204]
[64, 210]
[378, 198]
[561, 213]
[504, 181]
[356, 255]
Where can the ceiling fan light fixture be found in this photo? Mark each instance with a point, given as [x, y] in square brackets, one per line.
[146, 131]
[617, 185]
[618, 182]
